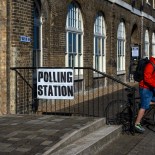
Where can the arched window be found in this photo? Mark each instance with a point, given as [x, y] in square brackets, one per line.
[121, 48]
[153, 43]
[99, 43]
[74, 34]
[146, 42]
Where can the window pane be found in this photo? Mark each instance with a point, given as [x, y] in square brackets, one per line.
[70, 60]
[99, 46]
[74, 43]
[79, 43]
[73, 61]
[121, 47]
[95, 46]
[122, 52]
[97, 62]
[74, 17]
[153, 48]
[119, 62]
[70, 42]
[97, 52]
[146, 54]
[103, 47]
[79, 60]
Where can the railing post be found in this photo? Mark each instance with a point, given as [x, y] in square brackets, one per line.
[16, 92]
[134, 111]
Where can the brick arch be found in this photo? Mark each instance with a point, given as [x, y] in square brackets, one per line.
[38, 5]
[45, 8]
[135, 38]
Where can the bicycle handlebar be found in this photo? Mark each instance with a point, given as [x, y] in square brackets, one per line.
[130, 89]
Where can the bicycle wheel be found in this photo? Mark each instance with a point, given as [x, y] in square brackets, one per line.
[116, 111]
[150, 115]
[149, 118]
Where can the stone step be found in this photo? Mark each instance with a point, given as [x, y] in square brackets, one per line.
[69, 139]
[92, 143]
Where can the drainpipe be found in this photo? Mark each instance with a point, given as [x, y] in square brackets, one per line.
[41, 42]
[8, 56]
[142, 24]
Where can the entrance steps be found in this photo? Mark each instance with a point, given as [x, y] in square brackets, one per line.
[88, 140]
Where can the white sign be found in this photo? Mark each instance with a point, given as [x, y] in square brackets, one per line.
[55, 84]
[135, 51]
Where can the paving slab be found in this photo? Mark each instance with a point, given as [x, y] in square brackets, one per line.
[34, 134]
[128, 144]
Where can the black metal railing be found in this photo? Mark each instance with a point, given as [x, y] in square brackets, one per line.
[93, 90]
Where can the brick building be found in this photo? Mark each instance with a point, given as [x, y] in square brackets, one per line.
[107, 35]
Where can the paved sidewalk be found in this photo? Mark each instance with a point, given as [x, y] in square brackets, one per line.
[33, 134]
[138, 144]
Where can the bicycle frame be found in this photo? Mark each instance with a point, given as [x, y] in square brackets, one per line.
[125, 112]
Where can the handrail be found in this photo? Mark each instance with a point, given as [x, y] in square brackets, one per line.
[91, 68]
[23, 79]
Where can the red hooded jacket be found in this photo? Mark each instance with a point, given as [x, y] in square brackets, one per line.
[149, 75]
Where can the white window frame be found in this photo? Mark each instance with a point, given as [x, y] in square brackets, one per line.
[99, 56]
[153, 43]
[121, 39]
[146, 45]
[147, 1]
[153, 4]
[74, 38]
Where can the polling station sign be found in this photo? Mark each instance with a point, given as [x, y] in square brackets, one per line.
[55, 84]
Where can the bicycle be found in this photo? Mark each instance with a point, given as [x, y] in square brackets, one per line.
[124, 112]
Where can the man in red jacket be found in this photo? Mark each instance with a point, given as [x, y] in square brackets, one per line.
[147, 92]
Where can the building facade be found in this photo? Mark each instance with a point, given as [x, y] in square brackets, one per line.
[108, 35]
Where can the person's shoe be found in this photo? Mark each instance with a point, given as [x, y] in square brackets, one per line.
[139, 128]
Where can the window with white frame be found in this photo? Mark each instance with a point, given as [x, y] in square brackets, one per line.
[121, 48]
[99, 43]
[148, 2]
[74, 34]
[153, 4]
[153, 43]
[146, 44]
